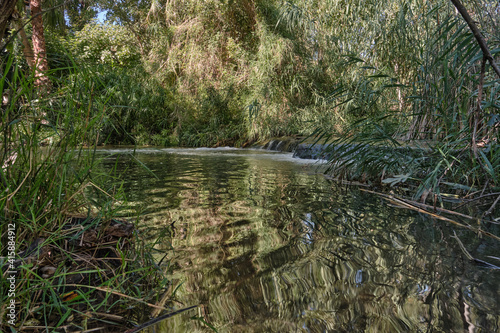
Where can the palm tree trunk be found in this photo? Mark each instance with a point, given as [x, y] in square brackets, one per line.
[27, 49]
[39, 48]
[6, 9]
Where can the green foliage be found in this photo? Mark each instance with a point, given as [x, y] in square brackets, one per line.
[214, 119]
[206, 73]
[46, 178]
[137, 109]
[441, 96]
[245, 49]
[79, 14]
[106, 44]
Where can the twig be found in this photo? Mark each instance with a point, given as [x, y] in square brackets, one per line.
[485, 186]
[488, 212]
[467, 254]
[421, 210]
[470, 257]
[156, 320]
[443, 210]
[478, 198]
[162, 302]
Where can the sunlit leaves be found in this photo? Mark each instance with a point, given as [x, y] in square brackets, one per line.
[104, 43]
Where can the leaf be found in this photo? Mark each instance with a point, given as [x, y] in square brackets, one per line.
[64, 317]
[396, 179]
[489, 168]
[15, 121]
[495, 51]
[204, 322]
[459, 186]
[144, 166]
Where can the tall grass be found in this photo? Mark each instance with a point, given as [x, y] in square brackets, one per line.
[75, 271]
[427, 144]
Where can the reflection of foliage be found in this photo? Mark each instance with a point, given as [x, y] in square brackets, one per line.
[214, 120]
[259, 243]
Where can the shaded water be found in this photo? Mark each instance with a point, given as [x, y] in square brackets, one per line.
[264, 244]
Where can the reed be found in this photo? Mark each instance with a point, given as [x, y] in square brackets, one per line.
[76, 267]
[424, 141]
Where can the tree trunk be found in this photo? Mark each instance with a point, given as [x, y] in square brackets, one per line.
[39, 48]
[6, 9]
[27, 49]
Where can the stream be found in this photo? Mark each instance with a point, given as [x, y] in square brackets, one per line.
[263, 242]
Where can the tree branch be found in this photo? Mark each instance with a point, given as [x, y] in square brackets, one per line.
[477, 34]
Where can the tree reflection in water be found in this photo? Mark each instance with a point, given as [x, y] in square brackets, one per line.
[264, 244]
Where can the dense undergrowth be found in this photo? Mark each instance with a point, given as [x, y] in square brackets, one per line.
[212, 75]
[75, 267]
[372, 78]
[192, 73]
[431, 147]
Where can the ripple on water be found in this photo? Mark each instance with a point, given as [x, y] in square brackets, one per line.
[264, 244]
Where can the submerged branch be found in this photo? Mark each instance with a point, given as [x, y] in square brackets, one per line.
[414, 207]
[157, 320]
[470, 257]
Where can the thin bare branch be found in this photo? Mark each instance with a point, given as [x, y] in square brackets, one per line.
[477, 34]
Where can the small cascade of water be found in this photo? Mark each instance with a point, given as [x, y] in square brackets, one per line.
[281, 144]
[272, 145]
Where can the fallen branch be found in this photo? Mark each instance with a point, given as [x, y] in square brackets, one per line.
[157, 320]
[404, 204]
[470, 257]
[443, 210]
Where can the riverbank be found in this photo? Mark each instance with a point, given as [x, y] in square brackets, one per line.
[68, 263]
[90, 274]
[404, 168]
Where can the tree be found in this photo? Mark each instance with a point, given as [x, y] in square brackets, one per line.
[39, 47]
[6, 9]
[27, 49]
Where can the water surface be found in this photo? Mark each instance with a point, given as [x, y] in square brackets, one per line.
[263, 243]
